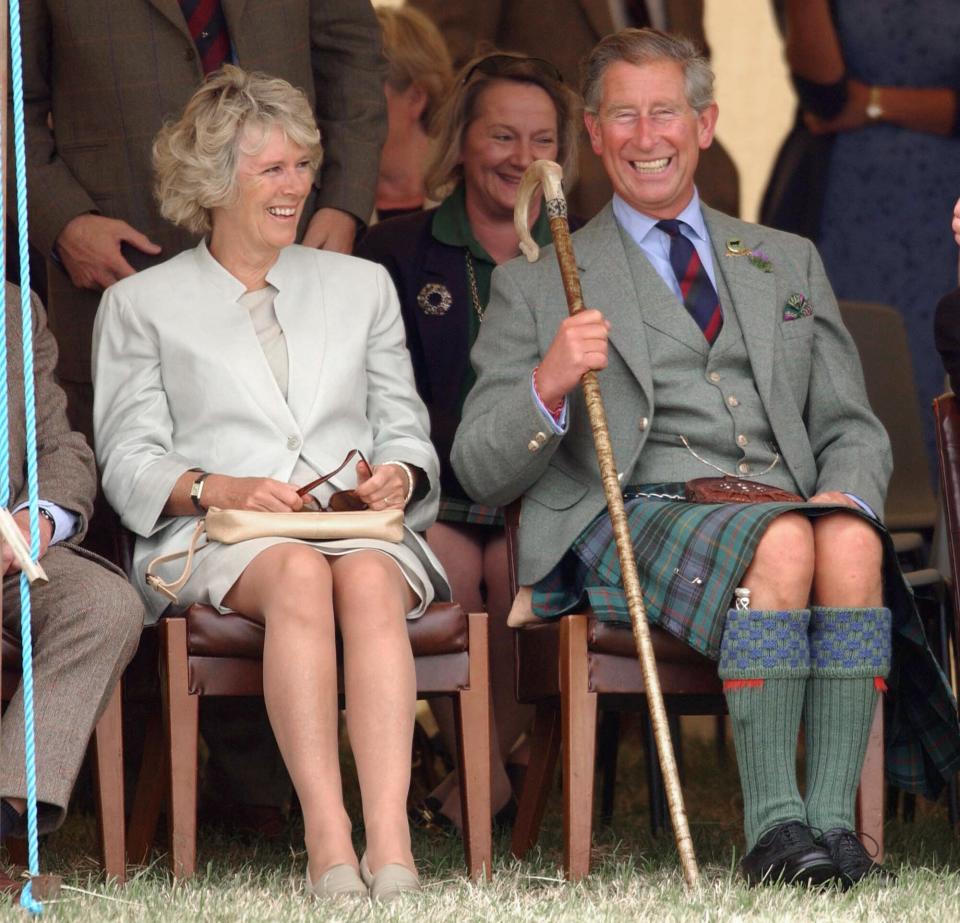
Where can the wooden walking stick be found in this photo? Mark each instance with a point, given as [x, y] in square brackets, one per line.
[548, 175]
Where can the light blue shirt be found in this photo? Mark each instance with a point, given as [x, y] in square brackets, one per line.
[66, 522]
[655, 243]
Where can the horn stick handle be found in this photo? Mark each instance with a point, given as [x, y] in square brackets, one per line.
[556, 206]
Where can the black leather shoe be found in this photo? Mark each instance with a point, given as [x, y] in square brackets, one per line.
[850, 856]
[789, 853]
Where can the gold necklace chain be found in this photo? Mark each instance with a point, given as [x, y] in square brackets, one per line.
[474, 291]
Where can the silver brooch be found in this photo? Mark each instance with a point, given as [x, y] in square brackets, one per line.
[434, 299]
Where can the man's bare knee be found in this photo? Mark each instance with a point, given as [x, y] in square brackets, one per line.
[781, 573]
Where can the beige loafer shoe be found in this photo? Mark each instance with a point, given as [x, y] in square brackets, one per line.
[338, 882]
[390, 882]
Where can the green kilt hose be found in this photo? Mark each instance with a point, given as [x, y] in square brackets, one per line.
[691, 557]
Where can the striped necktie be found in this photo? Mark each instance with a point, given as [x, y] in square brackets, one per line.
[699, 295]
[208, 27]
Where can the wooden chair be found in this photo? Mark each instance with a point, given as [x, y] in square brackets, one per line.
[107, 751]
[205, 653]
[571, 667]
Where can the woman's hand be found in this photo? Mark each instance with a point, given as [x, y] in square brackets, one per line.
[263, 494]
[384, 488]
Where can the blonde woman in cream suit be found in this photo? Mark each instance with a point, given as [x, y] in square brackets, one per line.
[237, 370]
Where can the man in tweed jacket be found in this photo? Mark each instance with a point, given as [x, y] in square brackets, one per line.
[100, 78]
[86, 620]
[720, 349]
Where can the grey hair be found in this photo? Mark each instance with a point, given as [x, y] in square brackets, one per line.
[646, 46]
[195, 158]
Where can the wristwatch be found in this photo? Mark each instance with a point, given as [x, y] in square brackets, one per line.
[46, 514]
[874, 110]
[196, 491]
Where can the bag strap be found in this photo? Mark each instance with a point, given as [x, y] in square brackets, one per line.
[171, 588]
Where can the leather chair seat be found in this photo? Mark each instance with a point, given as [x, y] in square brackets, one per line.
[617, 640]
[441, 630]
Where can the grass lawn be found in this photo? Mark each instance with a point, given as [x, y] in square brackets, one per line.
[635, 876]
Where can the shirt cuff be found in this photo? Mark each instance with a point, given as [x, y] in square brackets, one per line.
[559, 423]
[863, 505]
[66, 522]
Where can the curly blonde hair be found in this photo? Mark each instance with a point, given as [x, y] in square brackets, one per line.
[195, 158]
[460, 109]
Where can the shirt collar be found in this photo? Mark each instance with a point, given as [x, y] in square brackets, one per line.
[452, 226]
[638, 225]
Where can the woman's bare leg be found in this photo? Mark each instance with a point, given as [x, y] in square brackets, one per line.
[289, 588]
[371, 599]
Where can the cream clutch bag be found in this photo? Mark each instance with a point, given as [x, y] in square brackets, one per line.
[232, 526]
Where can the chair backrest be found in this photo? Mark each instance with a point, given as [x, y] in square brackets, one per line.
[881, 340]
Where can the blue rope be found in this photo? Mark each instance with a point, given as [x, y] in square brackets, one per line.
[33, 495]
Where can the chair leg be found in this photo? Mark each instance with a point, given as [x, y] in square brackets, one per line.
[608, 747]
[181, 717]
[870, 794]
[150, 793]
[108, 775]
[538, 780]
[578, 715]
[472, 708]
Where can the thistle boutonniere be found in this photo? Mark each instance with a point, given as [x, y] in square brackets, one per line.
[755, 257]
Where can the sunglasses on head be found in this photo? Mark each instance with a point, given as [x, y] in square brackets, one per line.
[342, 500]
[501, 65]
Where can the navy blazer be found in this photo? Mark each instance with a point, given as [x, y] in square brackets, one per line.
[438, 343]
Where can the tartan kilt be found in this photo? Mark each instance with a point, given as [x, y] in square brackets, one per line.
[691, 557]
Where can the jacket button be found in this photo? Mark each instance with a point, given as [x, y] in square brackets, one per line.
[732, 401]
[293, 443]
[643, 424]
[541, 438]
[533, 445]
[742, 440]
[743, 468]
[714, 376]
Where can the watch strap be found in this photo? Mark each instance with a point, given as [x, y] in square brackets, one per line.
[196, 491]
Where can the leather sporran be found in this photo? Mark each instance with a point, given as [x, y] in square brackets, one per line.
[735, 490]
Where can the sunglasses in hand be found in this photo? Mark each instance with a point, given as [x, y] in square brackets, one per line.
[340, 501]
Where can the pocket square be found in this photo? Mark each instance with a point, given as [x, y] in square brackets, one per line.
[797, 306]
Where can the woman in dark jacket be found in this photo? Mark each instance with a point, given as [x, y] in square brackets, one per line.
[505, 112]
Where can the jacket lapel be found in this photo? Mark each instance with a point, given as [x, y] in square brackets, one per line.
[233, 11]
[754, 290]
[608, 285]
[172, 11]
[229, 326]
[441, 336]
[307, 333]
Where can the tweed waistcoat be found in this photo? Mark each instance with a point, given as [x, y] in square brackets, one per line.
[706, 394]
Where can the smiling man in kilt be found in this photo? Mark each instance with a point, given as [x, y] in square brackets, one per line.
[721, 352]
